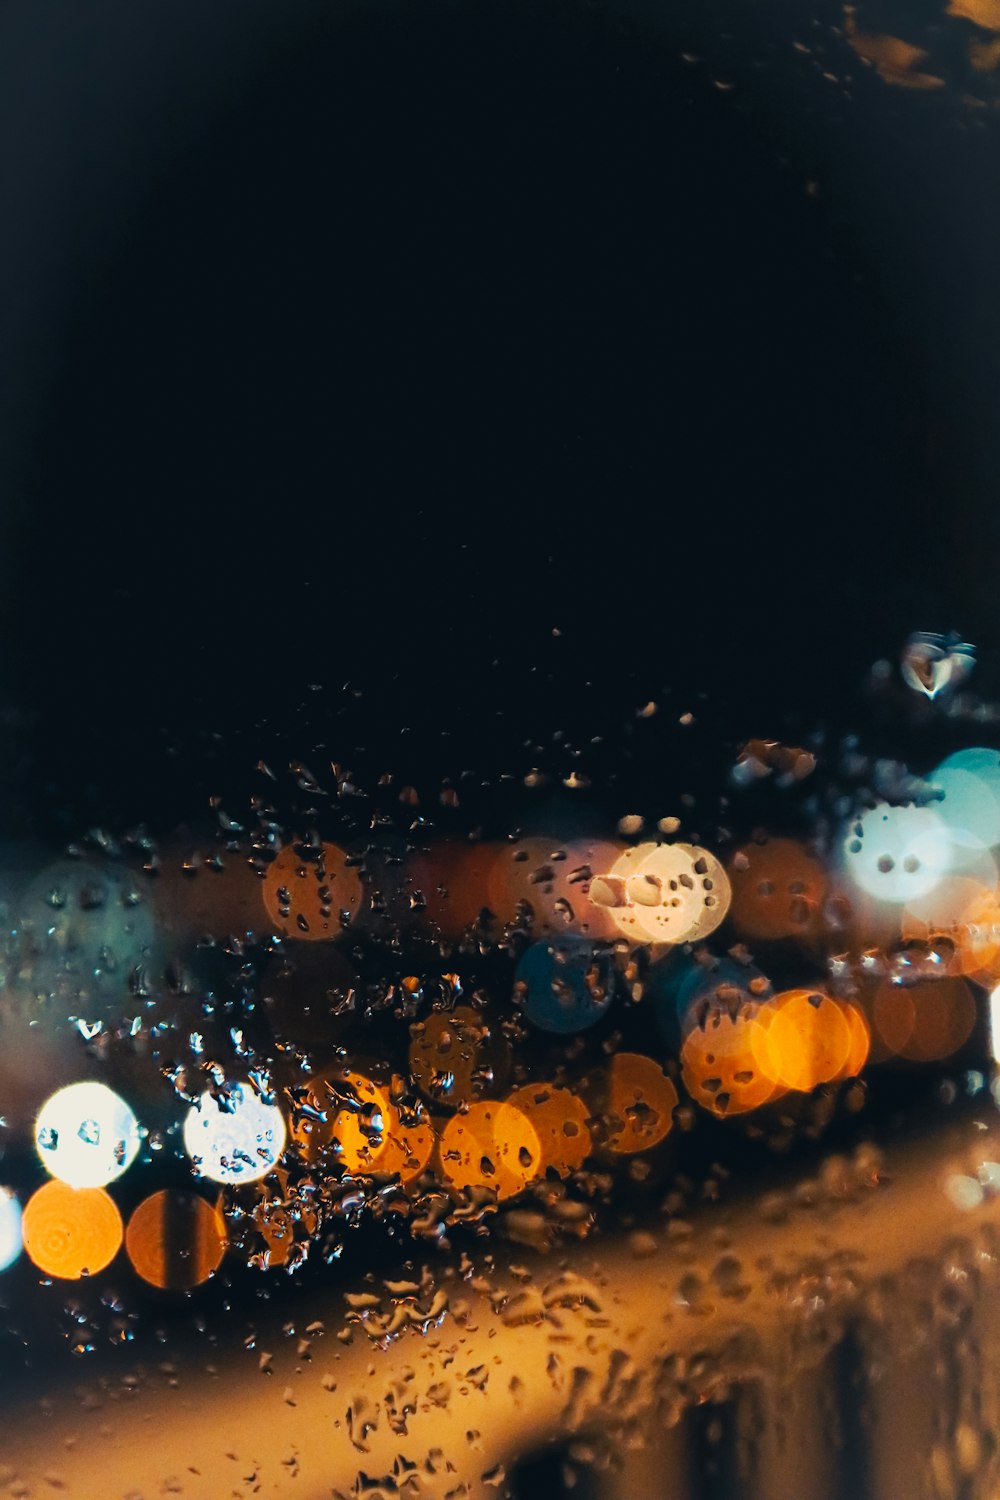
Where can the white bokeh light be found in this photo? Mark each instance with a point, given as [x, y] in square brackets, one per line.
[86, 1135]
[899, 854]
[241, 1142]
[11, 1242]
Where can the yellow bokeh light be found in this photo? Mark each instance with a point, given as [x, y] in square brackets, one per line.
[71, 1232]
[719, 1068]
[560, 1121]
[802, 1039]
[491, 1145]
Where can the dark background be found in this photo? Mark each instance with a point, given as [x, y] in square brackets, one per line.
[352, 351]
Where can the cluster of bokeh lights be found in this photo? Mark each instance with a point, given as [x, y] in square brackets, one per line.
[892, 927]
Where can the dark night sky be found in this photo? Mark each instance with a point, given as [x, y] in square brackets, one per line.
[374, 343]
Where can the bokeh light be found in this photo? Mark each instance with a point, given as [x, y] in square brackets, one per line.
[564, 983]
[665, 893]
[236, 1138]
[899, 854]
[641, 1100]
[11, 1237]
[176, 1240]
[451, 881]
[554, 879]
[970, 782]
[86, 1135]
[71, 1232]
[924, 1022]
[312, 898]
[802, 1039]
[491, 1145]
[560, 1119]
[720, 1069]
[778, 890]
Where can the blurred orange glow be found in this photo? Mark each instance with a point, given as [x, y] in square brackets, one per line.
[491, 1145]
[360, 1134]
[560, 1121]
[860, 1041]
[970, 926]
[719, 1068]
[452, 879]
[407, 1148]
[71, 1232]
[802, 1039]
[778, 890]
[304, 898]
[175, 1240]
[456, 1055]
[924, 1022]
[641, 1103]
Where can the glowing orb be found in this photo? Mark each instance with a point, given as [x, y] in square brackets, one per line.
[11, 1240]
[86, 1135]
[778, 890]
[719, 1068]
[554, 879]
[560, 1121]
[802, 1039]
[491, 1145]
[898, 854]
[237, 1141]
[71, 1232]
[565, 983]
[970, 782]
[725, 986]
[305, 898]
[641, 1104]
[175, 1240]
[665, 893]
[925, 1022]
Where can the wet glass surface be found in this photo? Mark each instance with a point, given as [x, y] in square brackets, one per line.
[498, 861]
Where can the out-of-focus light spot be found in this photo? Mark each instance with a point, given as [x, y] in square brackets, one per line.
[560, 1121]
[450, 882]
[239, 1143]
[456, 1056]
[970, 782]
[665, 893]
[860, 1041]
[719, 1068]
[945, 909]
[359, 1134]
[802, 1039]
[924, 1022]
[86, 1135]
[71, 1232]
[305, 898]
[898, 854]
[491, 1145]
[11, 1239]
[640, 1104]
[408, 1146]
[778, 890]
[966, 1193]
[565, 984]
[175, 1240]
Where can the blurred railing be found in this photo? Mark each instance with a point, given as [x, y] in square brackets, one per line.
[832, 1340]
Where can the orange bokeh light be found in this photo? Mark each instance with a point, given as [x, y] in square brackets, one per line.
[778, 890]
[457, 1056]
[560, 1121]
[924, 1022]
[71, 1232]
[304, 898]
[719, 1068]
[641, 1100]
[801, 1039]
[176, 1240]
[491, 1144]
